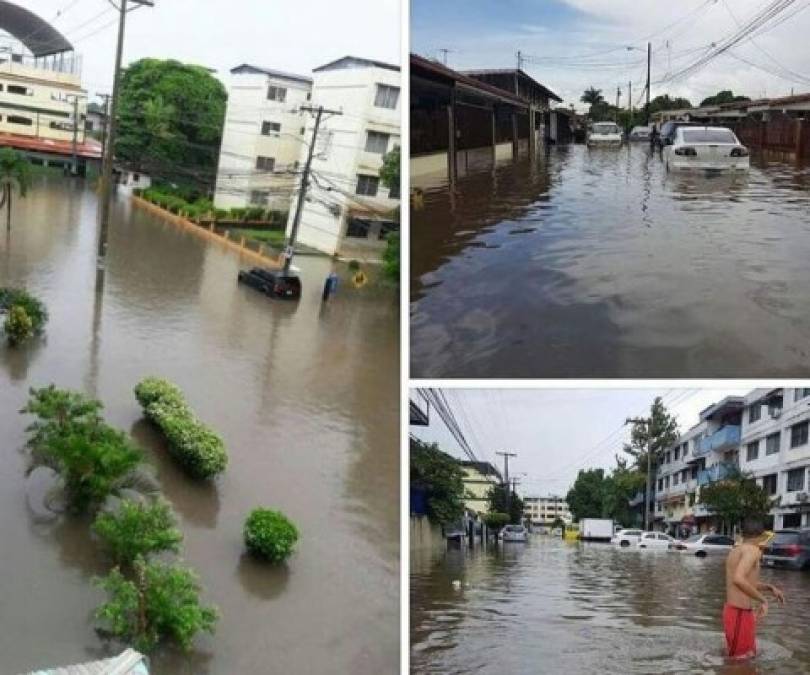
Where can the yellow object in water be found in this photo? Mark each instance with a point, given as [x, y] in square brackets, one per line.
[359, 279]
[571, 533]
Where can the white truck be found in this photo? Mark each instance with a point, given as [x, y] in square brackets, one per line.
[596, 529]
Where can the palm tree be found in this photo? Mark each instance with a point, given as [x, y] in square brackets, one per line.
[15, 172]
[592, 96]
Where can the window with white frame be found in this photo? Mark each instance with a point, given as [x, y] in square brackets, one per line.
[259, 197]
[799, 394]
[798, 434]
[377, 142]
[386, 97]
[795, 479]
[276, 93]
[772, 444]
[265, 163]
[269, 128]
[752, 451]
[770, 484]
[367, 185]
[754, 412]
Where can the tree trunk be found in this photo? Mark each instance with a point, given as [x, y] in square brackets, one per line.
[8, 208]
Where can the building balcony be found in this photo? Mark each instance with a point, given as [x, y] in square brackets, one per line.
[715, 473]
[723, 439]
[701, 511]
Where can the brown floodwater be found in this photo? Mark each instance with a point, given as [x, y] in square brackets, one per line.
[305, 395]
[597, 263]
[555, 607]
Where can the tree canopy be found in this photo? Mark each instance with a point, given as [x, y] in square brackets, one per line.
[653, 434]
[725, 96]
[592, 96]
[735, 498]
[441, 478]
[497, 497]
[170, 122]
[665, 102]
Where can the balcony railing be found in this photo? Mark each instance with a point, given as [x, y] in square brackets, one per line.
[701, 510]
[715, 473]
[722, 439]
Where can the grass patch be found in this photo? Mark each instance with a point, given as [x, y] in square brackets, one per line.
[275, 238]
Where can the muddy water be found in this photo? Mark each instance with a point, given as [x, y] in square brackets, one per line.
[305, 396]
[554, 607]
[597, 263]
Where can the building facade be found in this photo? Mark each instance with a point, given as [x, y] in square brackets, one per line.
[543, 511]
[348, 210]
[262, 138]
[479, 478]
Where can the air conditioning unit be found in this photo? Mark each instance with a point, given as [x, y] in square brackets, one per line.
[802, 497]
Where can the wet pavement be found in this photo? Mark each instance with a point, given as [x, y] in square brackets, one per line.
[555, 607]
[597, 263]
[305, 395]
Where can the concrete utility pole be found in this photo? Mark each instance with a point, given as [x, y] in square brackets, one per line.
[647, 106]
[104, 122]
[630, 100]
[618, 101]
[506, 456]
[444, 53]
[74, 167]
[302, 192]
[107, 167]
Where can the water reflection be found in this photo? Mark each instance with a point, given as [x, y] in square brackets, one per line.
[263, 580]
[599, 263]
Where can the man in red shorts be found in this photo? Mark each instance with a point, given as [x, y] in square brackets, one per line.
[743, 587]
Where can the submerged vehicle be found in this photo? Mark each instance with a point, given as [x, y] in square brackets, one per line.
[706, 148]
[640, 133]
[790, 549]
[272, 282]
[514, 533]
[605, 133]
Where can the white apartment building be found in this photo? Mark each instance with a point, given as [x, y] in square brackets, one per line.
[348, 211]
[262, 138]
[479, 479]
[543, 511]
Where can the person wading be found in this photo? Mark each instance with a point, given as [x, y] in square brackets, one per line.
[743, 589]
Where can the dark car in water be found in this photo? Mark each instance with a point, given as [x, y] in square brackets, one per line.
[272, 282]
[666, 135]
[789, 548]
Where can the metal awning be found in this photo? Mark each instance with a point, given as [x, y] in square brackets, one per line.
[36, 34]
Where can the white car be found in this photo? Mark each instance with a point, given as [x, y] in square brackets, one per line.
[514, 533]
[605, 133]
[706, 148]
[655, 540]
[702, 545]
[640, 133]
[626, 538]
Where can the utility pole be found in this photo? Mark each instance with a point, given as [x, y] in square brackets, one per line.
[107, 167]
[444, 52]
[630, 100]
[302, 192]
[520, 60]
[74, 167]
[618, 100]
[506, 456]
[104, 122]
[647, 106]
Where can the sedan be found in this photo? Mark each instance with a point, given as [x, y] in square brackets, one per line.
[605, 133]
[514, 533]
[626, 538]
[655, 540]
[706, 148]
[789, 548]
[702, 545]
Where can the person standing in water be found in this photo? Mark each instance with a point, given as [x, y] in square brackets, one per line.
[743, 589]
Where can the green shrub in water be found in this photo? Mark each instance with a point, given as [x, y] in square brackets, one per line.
[10, 297]
[270, 535]
[18, 325]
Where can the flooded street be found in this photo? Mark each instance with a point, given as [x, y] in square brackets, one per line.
[305, 396]
[550, 606]
[597, 263]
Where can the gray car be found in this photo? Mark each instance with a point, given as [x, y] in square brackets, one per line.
[790, 549]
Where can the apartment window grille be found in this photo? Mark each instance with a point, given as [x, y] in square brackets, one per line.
[798, 434]
[367, 185]
[16, 119]
[276, 94]
[17, 89]
[772, 443]
[769, 484]
[684, 475]
[386, 97]
[754, 412]
[270, 128]
[752, 451]
[265, 163]
[377, 142]
[799, 394]
[358, 228]
[795, 479]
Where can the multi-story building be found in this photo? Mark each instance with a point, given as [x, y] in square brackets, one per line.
[348, 210]
[42, 103]
[479, 478]
[543, 511]
[262, 138]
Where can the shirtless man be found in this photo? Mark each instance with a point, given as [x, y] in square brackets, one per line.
[742, 588]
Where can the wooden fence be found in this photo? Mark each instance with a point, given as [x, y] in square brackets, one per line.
[780, 133]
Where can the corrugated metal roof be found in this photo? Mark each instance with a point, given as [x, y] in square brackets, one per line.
[248, 68]
[512, 71]
[36, 34]
[355, 62]
[129, 662]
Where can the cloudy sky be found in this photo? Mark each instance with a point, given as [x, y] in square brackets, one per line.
[574, 44]
[288, 36]
[555, 432]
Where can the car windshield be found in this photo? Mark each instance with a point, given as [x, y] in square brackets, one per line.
[786, 538]
[605, 129]
[514, 528]
[694, 537]
[708, 136]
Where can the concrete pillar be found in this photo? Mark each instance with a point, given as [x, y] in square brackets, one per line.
[452, 165]
[514, 136]
[532, 134]
[494, 136]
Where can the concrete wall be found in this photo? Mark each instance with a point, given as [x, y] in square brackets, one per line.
[424, 535]
[429, 171]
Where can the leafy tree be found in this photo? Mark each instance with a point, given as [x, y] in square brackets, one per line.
[18, 325]
[496, 521]
[441, 477]
[619, 487]
[161, 603]
[735, 498]
[390, 177]
[15, 174]
[592, 97]
[586, 498]
[138, 529]
[18, 297]
[557, 522]
[664, 102]
[391, 258]
[170, 122]
[497, 498]
[725, 96]
[389, 173]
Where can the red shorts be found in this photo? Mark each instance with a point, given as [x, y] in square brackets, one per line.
[740, 626]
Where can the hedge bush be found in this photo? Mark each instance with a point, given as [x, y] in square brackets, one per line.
[270, 535]
[11, 297]
[199, 450]
[18, 325]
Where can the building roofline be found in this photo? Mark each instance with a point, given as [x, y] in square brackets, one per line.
[512, 71]
[358, 61]
[38, 36]
[250, 68]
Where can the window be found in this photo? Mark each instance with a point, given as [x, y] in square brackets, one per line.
[666, 482]
[302, 130]
[386, 97]
[660, 483]
[792, 520]
[676, 453]
[752, 452]
[666, 458]
[772, 444]
[367, 185]
[16, 119]
[769, 484]
[377, 142]
[754, 412]
[799, 394]
[676, 478]
[798, 434]
[694, 472]
[270, 128]
[265, 163]
[259, 197]
[684, 475]
[17, 89]
[686, 448]
[358, 228]
[276, 94]
[795, 479]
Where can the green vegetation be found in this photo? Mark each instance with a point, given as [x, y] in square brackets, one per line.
[601, 110]
[15, 174]
[498, 497]
[391, 258]
[197, 208]
[270, 535]
[18, 325]
[199, 450]
[390, 177]
[275, 238]
[725, 96]
[137, 529]
[390, 171]
[34, 311]
[160, 604]
[496, 521]
[736, 497]
[171, 116]
[440, 477]
[92, 460]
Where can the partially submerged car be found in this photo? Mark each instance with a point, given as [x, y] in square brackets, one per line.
[706, 149]
[514, 533]
[789, 548]
[666, 134]
[272, 282]
[640, 133]
[605, 134]
[701, 545]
